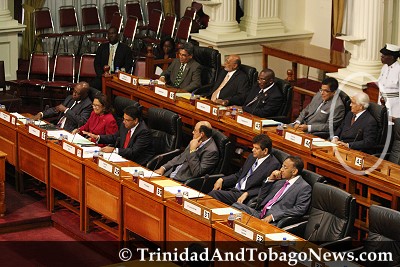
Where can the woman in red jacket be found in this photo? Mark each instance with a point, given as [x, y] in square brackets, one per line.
[101, 120]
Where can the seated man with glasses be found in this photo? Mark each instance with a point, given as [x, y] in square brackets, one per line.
[265, 98]
[199, 158]
[133, 140]
[316, 116]
[184, 72]
[73, 112]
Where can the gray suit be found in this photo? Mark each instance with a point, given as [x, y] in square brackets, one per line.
[320, 119]
[202, 161]
[294, 202]
[191, 77]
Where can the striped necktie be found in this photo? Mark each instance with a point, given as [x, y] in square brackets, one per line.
[274, 199]
[244, 179]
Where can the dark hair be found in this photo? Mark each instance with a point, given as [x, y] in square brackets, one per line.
[297, 162]
[133, 112]
[167, 39]
[332, 83]
[188, 47]
[104, 101]
[206, 130]
[263, 141]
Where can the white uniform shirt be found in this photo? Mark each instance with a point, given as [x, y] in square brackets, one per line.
[389, 83]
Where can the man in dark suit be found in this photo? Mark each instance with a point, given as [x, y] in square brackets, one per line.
[359, 128]
[184, 72]
[316, 116]
[265, 98]
[114, 54]
[246, 183]
[135, 138]
[73, 112]
[232, 84]
[284, 193]
[199, 158]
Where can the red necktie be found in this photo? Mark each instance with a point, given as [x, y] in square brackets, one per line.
[127, 139]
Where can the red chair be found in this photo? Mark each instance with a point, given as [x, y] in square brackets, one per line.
[109, 10]
[91, 23]
[167, 29]
[128, 36]
[115, 22]
[86, 68]
[133, 8]
[69, 26]
[11, 101]
[31, 87]
[44, 28]
[183, 32]
[151, 5]
[153, 29]
[63, 78]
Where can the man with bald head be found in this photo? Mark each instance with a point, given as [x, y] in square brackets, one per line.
[265, 98]
[232, 84]
[74, 111]
[199, 158]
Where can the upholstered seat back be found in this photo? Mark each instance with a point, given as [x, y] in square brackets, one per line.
[379, 112]
[286, 106]
[334, 210]
[279, 155]
[383, 224]
[166, 129]
[395, 149]
[119, 104]
[210, 60]
[251, 72]
[225, 149]
[346, 101]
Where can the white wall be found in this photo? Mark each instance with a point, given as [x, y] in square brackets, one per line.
[292, 13]
[318, 20]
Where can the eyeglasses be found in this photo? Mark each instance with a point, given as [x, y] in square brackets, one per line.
[325, 91]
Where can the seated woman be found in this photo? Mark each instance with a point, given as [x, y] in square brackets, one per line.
[101, 120]
[166, 49]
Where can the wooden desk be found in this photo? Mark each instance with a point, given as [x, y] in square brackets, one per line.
[67, 172]
[103, 194]
[33, 157]
[3, 157]
[304, 53]
[182, 225]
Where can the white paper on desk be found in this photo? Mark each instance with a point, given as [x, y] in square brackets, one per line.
[280, 236]
[144, 81]
[20, 117]
[191, 192]
[323, 143]
[158, 71]
[270, 123]
[79, 139]
[146, 173]
[114, 157]
[225, 211]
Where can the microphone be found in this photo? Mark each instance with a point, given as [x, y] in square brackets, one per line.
[355, 138]
[316, 227]
[115, 145]
[14, 95]
[201, 188]
[79, 126]
[160, 157]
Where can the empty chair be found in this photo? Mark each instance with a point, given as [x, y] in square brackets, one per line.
[116, 22]
[167, 29]
[63, 78]
[251, 72]
[151, 5]
[38, 74]
[69, 27]
[128, 36]
[166, 129]
[109, 10]
[91, 23]
[11, 101]
[182, 33]
[153, 28]
[44, 28]
[379, 112]
[86, 68]
[133, 8]
[331, 217]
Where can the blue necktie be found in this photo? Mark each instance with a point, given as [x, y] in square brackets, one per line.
[250, 172]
